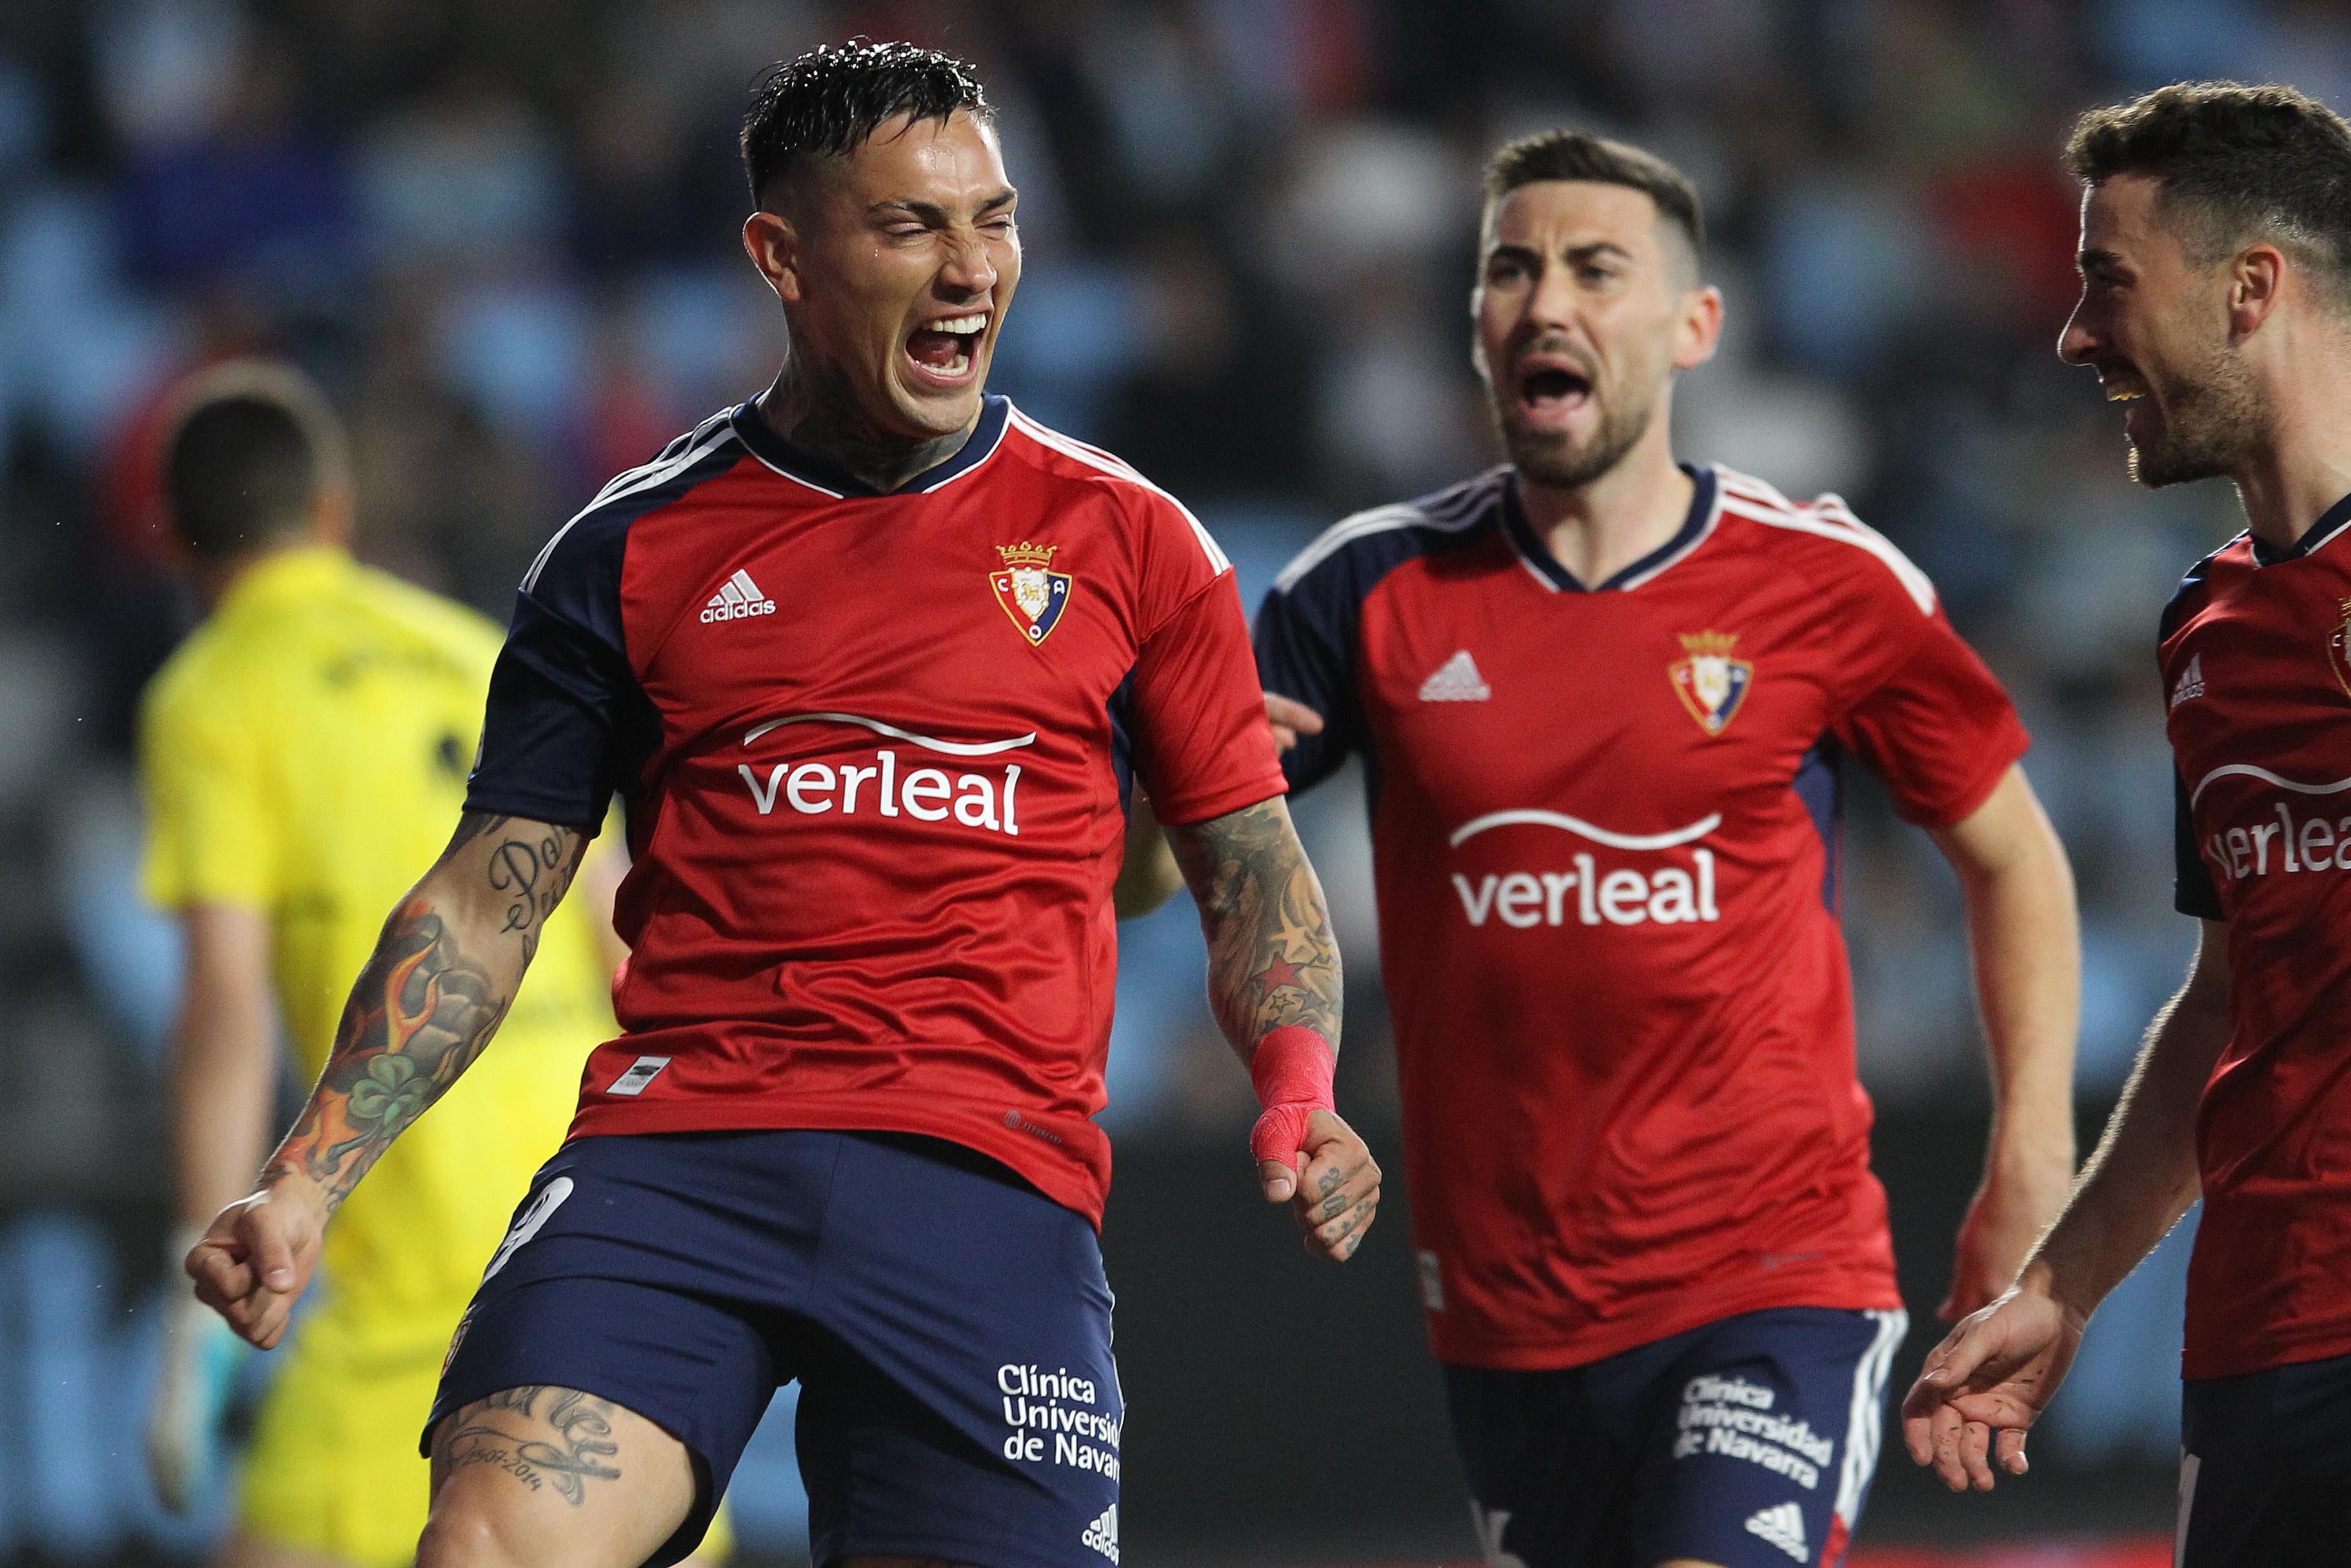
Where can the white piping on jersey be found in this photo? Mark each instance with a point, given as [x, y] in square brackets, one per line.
[1093, 457]
[1696, 830]
[951, 748]
[1866, 1420]
[2247, 770]
[775, 468]
[975, 463]
[1362, 524]
[1705, 532]
[644, 478]
[1758, 503]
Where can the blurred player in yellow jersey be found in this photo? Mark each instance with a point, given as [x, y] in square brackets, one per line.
[303, 754]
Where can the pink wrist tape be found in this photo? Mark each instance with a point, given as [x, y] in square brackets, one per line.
[1292, 1071]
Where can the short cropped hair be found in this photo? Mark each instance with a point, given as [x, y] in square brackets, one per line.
[2234, 165]
[1579, 155]
[828, 101]
[251, 445]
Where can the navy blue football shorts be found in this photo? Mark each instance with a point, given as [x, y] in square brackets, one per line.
[2265, 1467]
[950, 1326]
[1748, 1442]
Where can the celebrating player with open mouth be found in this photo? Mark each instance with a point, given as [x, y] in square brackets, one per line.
[1601, 700]
[2216, 300]
[874, 660]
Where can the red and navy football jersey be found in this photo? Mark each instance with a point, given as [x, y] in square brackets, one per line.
[1604, 837]
[2256, 661]
[876, 750]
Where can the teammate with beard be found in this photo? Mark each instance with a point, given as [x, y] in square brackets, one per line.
[874, 660]
[2216, 299]
[1601, 699]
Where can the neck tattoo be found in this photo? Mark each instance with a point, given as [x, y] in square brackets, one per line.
[824, 422]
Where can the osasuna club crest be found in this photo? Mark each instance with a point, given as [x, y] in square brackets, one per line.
[1031, 592]
[2338, 649]
[1710, 682]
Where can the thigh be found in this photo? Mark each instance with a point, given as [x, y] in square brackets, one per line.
[958, 1398]
[2265, 1467]
[1761, 1452]
[688, 1376]
[1548, 1464]
[540, 1474]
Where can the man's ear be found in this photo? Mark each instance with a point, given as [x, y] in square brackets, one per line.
[774, 248]
[1700, 328]
[2256, 280]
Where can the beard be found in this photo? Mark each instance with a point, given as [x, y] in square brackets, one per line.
[2207, 427]
[1552, 458]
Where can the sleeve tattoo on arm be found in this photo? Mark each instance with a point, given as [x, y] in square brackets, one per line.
[423, 1008]
[1273, 960]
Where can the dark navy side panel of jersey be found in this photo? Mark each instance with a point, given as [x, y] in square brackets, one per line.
[567, 722]
[1306, 631]
[2192, 892]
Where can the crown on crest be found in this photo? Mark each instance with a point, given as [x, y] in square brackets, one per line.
[1027, 554]
[1700, 644]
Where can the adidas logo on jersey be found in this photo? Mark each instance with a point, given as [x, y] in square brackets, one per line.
[738, 598]
[1103, 1533]
[2191, 681]
[1455, 681]
[1783, 1526]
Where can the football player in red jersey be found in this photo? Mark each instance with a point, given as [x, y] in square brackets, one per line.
[1601, 698]
[874, 660]
[2216, 300]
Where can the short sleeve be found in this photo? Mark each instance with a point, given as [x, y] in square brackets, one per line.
[1936, 726]
[210, 837]
[1201, 741]
[567, 723]
[2193, 891]
[1305, 647]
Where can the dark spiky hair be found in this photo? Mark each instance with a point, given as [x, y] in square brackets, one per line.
[1579, 155]
[2233, 165]
[829, 101]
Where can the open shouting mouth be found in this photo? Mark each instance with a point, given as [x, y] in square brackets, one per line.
[945, 350]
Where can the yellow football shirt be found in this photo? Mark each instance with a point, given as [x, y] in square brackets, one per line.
[304, 754]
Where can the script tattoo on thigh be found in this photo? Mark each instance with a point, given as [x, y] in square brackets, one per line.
[495, 1431]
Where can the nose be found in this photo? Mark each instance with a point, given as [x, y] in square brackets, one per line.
[968, 270]
[2077, 344]
[1551, 305]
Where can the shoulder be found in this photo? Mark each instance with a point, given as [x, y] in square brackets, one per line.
[203, 684]
[2196, 588]
[589, 548]
[1354, 554]
[1823, 541]
[458, 629]
[1057, 459]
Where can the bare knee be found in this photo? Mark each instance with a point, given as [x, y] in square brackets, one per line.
[462, 1535]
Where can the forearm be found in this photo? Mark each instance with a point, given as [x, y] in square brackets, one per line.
[442, 977]
[223, 1083]
[2026, 945]
[1273, 959]
[2143, 1175]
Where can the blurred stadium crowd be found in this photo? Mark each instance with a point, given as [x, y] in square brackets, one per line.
[504, 236]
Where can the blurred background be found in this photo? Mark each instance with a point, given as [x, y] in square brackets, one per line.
[503, 234]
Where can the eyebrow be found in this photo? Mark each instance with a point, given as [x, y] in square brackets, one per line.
[1592, 251]
[932, 212]
[2095, 258]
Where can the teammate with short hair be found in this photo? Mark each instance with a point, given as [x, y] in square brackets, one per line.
[1601, 700]
[872, 659]
[2216, 299]
[301, 753]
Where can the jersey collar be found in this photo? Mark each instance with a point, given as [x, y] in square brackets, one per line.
[1536, 556]
[818, 475]
[297, 571]
[2331, 522]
